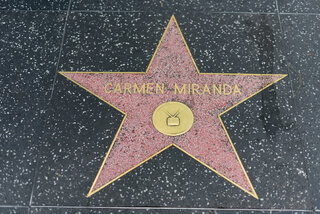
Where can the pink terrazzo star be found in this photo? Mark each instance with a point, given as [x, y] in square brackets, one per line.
[137, 139]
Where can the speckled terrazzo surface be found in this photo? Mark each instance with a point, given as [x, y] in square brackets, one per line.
[54, 135]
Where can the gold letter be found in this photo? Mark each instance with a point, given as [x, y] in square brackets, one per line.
[137, 89]
[127, 86]
[236, 90]
[159, 88]
[195, 88]
[206, 89]
[224, 89]
[176, 88]
[105, 88]
[117, 88]
[215, 88]
[149, 86]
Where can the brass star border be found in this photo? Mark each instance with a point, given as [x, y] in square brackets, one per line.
[91, 192]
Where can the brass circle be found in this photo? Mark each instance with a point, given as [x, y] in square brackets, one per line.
[172, 118]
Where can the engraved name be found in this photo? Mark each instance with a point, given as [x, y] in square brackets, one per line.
[178, 88]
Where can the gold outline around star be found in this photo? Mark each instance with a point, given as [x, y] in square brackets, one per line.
[254, 194]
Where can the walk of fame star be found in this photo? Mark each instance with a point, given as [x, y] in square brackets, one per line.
[137, 139]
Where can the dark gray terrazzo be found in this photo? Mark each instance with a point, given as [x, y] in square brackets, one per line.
[177, 6]
[266, 137]
[302, 6]
[34, 4]
[29, 48]
[155, 211]
[71, 154]
[12, 210]
[302, 34]
[252, 50]
[233, 43]
[127, 40]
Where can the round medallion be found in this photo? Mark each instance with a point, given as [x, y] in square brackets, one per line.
[172, 118]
